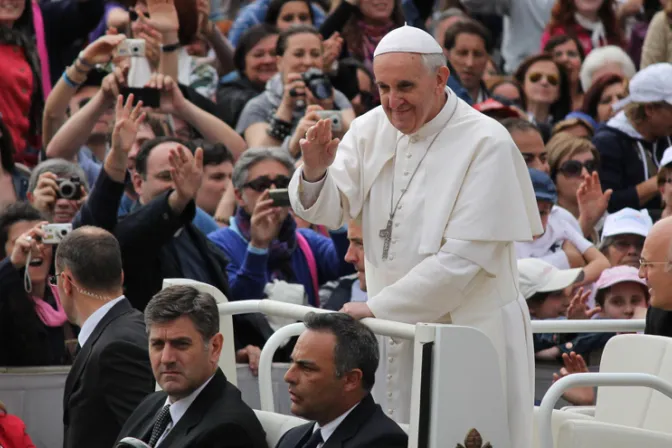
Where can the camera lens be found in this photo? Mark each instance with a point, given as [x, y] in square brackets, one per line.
[67, 190]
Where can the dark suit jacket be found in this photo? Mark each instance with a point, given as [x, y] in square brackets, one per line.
[218, 417]
[146, 235]
[110, 376]
[365, 427]
[658, 322]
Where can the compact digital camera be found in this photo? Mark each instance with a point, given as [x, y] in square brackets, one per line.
[318, 83]
[69, 188]
[54, 233]
[134, 48]
[334, 116]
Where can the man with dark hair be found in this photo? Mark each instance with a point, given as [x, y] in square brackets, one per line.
[217, 171]
[527, 137]
[111, 373]
[468, 44]
[330, 379]
[197, 406]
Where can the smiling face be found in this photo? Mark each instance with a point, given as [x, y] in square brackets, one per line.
[542, 83]
[181, 360]
[11, 10]
[303, 51]
[40, 262]
[260, 61]
[377, 10]
[658, 275]
[293, 13]
[411, 94]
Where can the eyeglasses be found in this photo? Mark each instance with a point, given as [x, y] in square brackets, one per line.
[262, 183]
[643, 264]
[133, 15]
[535, 77]
[53, 279]
[623, 245]
[574, 168]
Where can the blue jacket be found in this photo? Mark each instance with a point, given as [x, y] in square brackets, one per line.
[248, 267]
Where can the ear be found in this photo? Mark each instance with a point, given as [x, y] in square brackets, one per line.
[137, 183]
[216, 344]
[442, 77]
[239, 197]
[353, 380]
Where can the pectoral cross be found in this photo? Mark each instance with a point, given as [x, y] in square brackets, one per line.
[386, 234]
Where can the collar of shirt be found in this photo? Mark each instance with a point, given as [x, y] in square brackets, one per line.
[179, 408]
[94, 319]
[330, 428]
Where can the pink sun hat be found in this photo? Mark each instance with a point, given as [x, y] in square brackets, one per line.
[619, 274]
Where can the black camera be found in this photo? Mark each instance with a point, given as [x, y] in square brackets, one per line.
[318, 83]
[69, 188]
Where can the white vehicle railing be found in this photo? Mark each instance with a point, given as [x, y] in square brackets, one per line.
[588, 326]
[590, 379]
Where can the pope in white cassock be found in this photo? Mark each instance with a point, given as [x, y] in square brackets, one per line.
[442, 193]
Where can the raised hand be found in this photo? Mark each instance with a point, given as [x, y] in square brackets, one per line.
[186, 171]
[580, 396]
[309, 119]
[44, 196]
[127, 121]
[319, 150]
[163, 16]
[172, 100]
[332, 49]
[578, 307]
[101, 51]
[592, 200]
[265, 222]
[113, 83]
[204, 24]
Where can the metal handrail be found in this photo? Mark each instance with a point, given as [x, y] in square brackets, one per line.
[588, 325]
[292, 311]
[553, 394]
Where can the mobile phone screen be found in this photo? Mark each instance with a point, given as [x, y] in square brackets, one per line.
[149, 97]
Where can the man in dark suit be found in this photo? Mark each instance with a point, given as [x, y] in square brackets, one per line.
[198, 407]
[111, 374]
[330, 379]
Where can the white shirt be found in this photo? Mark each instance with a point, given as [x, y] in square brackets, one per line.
[330, 428]
[94, 319]
[179, 408]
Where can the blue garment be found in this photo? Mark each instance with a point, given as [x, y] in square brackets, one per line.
[411, 14]
[90, 167]
[203, 222]
[460, 91]
[192, 262]
[248, 267]
[20, 181]
[255, 13]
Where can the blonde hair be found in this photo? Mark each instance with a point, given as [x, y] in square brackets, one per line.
[564, 145]
[636, 112]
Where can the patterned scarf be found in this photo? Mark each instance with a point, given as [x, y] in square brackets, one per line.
[282, 248]
[275, 89]
[24, 37]
[371, 35]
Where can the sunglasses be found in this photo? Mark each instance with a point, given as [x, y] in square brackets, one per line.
[133, 15]
[574, 168]
[262, 183]
[535, 77]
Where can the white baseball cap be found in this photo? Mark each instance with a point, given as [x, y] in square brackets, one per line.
[667, 157]
[538, 276]
[650, 85]
[627, 221]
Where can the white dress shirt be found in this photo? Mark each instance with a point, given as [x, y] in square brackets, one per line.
[94, 319]
[330, 428]
[179, 408]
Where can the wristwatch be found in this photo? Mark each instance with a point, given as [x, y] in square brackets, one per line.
[170, 48]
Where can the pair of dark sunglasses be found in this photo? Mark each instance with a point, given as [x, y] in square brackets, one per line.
[535, 77]
[263, 183]
[574, 168]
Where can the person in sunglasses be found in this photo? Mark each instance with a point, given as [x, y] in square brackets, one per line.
[263, 243]
[574, 162]
[632, 143]
[545, 83]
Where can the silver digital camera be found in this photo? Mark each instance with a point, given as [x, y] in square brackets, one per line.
[54, 233]
[134, 48]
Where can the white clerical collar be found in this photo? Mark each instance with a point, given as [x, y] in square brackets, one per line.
[330, 428]
[179, 408]
[437, 123]
[94, 319]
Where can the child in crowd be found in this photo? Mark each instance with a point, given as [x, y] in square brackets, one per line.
[560, 245]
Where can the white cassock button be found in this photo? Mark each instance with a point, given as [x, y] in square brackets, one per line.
[400, 206]
[390, 411]
[406, 173]
[409, 155]
[397, 224]
[389, 376]
[414, 139]
[392, 342]
[391, 257]
[390, 359]
[389, 395]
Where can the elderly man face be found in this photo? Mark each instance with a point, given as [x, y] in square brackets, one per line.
[410, 92]
[655, 266]
[264, 175]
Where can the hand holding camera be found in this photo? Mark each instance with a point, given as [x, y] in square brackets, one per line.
[294, 95]
[102, 49]
[114, 83]
[28, 243]
[50, 188]
[172, 101]
[265, 222]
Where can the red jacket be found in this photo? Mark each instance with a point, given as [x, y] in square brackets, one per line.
[13, 432]
[582, 34]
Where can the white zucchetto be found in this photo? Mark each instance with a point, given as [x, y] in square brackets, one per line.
[408, 39]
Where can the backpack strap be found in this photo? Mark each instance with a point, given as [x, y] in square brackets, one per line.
[312, 264]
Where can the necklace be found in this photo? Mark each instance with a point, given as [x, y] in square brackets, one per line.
[386, 233]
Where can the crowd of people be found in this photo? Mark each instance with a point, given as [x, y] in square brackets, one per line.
[161, 129]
